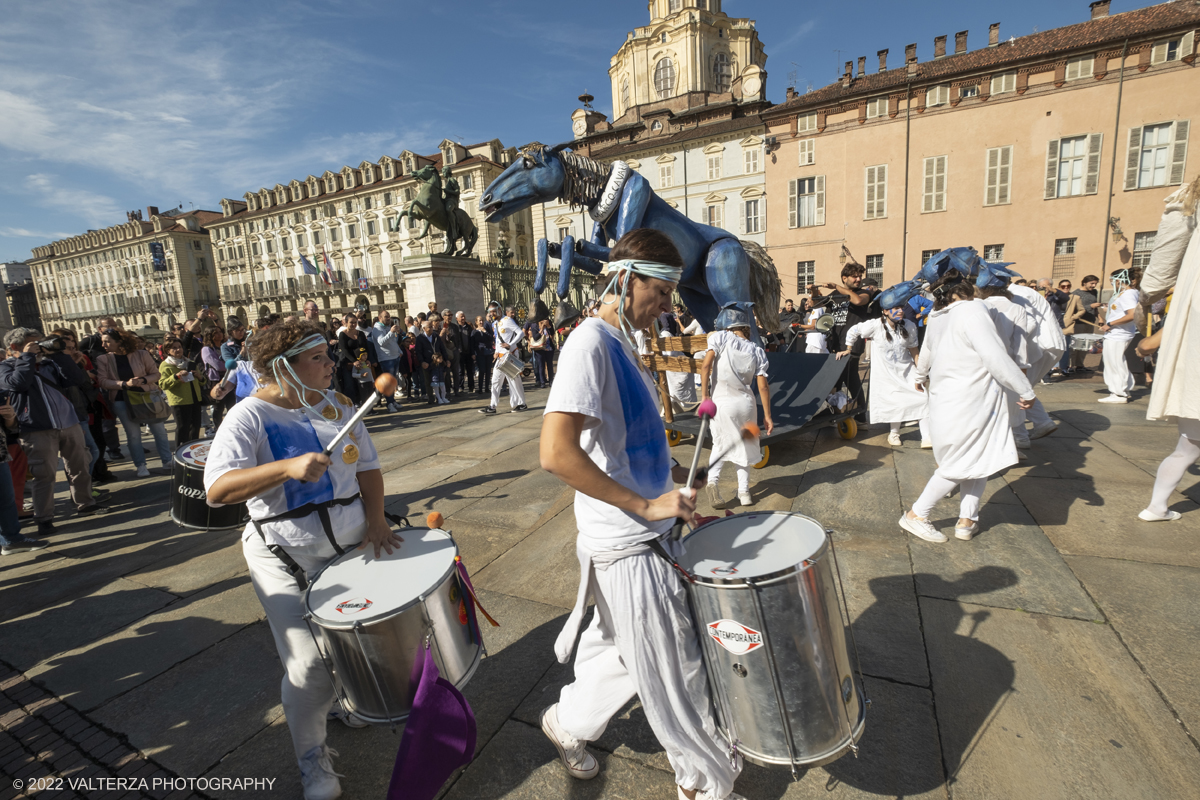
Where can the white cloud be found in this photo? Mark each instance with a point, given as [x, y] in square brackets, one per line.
[52, 192]
[26, 233]
[798, 34]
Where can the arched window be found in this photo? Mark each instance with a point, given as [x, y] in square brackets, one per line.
[722, 75]
[625, 94]
[664, 78]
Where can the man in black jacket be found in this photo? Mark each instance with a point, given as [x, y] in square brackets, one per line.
[427, 345]
[48, 423]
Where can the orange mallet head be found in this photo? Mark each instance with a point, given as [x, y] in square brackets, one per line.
[750, 431]
[386, 384]
[435, 519]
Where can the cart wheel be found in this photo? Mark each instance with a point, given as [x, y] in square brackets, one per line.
[766, 457]
[674, 438]
[847, 428]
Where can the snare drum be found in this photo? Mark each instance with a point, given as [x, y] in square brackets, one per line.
[766, 604]
[189, 500]
[511, 366]
[1086, 341]
[375, 614]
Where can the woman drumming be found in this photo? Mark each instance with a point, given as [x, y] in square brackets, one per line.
[741, 366]
[966, 369]
[305, 509]
[894, 396]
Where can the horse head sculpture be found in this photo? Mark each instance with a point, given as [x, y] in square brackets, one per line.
[963, 260]
[537, 176]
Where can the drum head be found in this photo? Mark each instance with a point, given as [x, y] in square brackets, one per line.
[751, 545]
[194, 454]
[358, 587]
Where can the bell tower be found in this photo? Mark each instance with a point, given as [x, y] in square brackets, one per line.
[690, 53]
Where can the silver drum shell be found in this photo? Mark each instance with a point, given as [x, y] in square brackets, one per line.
[372, 663]
[796, 700]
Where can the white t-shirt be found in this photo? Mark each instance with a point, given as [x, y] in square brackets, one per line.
[508, 331]
[599, 376]
[255, 432]
[1118, 307]
[814, 341]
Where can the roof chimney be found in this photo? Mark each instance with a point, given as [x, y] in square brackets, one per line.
[883, 60]
[960, 42]
[910, 53]
[846, 76]
[862, 66]
[1099, 9]
[939, 47]
[151, 211]
[994, 34]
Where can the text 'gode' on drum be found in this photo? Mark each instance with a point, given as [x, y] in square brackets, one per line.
[377, 615]
[765, 602]
[189, 500]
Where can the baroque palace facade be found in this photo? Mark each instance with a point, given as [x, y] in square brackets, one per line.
[1053, 151]
[688, 91]
[347, 215]
[113, 272]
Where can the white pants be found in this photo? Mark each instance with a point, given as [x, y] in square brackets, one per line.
[922, 425]
[642, 642]
[938, 487]
[1174, 466]
[516, 391]
[1038, 370]
[306, 691]
[1117, 376]
[743, 475]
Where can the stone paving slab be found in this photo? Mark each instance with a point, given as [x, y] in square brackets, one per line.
[1153, 608]
[850, 495]
[189, 717]
[518, 505]
[91, 675]
[28, 640]
[494, 443]
[914, 468]
[184, 574]
[541, 567]
[1030, 705]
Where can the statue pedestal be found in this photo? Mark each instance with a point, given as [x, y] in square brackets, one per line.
[453, 283]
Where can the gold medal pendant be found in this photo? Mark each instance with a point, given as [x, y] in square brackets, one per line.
[341, 398]
[330, 413]
[353, 437]
[350, 454]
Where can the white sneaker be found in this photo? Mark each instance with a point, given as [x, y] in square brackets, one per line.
[317, 777]
[745, 499]
[1147, 515]
[706, 795]
[1113, 398]
[714, 497]
[894, 438]
[927, 444]
[1045, 429]
[348, 719]
[922, 529]
[1022, 442]
[143, 472]
[966, 533]
[575, 757]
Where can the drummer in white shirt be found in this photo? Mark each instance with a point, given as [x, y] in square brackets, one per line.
[508, 335]
[306, 508]
[602, 435]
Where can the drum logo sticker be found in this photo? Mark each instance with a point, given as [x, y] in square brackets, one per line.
[734, 636]
[724, 570]
[354, 605]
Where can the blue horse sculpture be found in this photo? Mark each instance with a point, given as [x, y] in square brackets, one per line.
[723, 280]
[963, 260]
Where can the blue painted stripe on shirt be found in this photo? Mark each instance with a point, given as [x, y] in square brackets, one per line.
[296, 440]
[645, 437]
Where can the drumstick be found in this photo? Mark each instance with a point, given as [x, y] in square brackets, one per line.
[385, 386]
[706, 411]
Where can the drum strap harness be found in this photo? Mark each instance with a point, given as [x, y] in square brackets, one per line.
[657, 546]
[322, 510]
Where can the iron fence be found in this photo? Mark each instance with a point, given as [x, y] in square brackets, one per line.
[513, 286]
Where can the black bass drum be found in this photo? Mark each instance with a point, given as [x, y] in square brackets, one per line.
[189, 501]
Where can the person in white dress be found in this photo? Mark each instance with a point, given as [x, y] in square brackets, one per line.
[739, 366]
[1119, 329]
[895, 398]
[1175, 393]
[814, 340]
[1019, 334]
[966, 369]
[1051, 343]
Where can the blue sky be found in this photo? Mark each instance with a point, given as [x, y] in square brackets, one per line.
[110, 106]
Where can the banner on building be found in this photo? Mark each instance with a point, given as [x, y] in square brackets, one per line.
[362, 284]
[158, 257]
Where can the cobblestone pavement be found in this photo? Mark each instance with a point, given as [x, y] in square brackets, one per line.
[1051, 657]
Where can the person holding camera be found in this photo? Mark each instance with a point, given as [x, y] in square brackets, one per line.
[184, 386]
[36, 375]
[124, 370]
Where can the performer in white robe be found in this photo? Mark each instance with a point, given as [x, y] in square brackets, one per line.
[1119, 329]
[508, 338]
[965, 368]
[602, 436]
[814, 340]
[1019, 334]
[895, 398]
[1175, 393]
[740, 367]
[1051, 343]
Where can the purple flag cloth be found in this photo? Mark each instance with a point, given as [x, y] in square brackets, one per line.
[438, 739]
